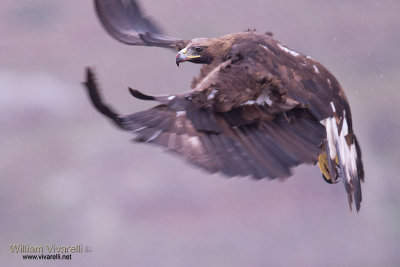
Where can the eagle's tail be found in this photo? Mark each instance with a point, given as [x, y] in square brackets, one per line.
[342, 159]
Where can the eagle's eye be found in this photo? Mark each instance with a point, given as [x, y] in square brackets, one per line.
[199, 49]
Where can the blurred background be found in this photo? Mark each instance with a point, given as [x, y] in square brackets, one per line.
[68, 176]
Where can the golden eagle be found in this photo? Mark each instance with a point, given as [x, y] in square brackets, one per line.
[257, 108]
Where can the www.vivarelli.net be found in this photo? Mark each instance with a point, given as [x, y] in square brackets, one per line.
[48, 251]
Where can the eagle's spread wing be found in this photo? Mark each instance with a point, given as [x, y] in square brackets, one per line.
[124, 21]
[247, 140]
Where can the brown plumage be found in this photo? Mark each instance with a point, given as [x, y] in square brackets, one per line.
[257, 108]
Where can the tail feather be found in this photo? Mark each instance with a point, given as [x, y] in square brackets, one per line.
[345, 155]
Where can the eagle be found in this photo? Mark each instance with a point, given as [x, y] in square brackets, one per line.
[257, 107]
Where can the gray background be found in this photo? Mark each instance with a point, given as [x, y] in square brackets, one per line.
[67, 176]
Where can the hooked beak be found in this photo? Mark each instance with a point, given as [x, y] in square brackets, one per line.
[182, 56]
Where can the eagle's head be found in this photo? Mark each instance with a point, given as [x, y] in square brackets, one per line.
[203, 51]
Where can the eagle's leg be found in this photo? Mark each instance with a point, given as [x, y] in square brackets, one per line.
[324, 165]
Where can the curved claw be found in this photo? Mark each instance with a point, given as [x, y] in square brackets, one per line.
[330, 181]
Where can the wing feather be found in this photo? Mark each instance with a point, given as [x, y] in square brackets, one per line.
[266, 148]
[124, 20]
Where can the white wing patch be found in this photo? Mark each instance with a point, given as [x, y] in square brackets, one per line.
[333, 107]
[138, 129]
[260, 100]
[316, 69]
[180, 113]
[212, 94]
[154, 136]
[249, 102]
[264, 99]
[329, 82]
[264, 46]
[194, 142]
[287, 50]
